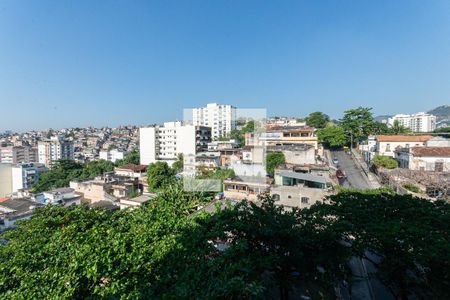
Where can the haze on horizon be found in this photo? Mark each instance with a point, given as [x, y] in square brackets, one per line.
[86, 63]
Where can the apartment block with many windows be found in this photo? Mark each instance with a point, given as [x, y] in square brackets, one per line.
[221, 118]
[167, 142]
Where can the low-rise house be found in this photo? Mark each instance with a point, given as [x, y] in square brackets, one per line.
[61, 196]
[134, 202]
[131, 170]
[301, 190]
[286, 135]
[109, 187]
[424, 158]
[297, 154]
[111, 155]
[13, 210]
[385, 145]
[222, 145]
[245, 188]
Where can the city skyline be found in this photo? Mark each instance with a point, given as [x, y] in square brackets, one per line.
[102, 64]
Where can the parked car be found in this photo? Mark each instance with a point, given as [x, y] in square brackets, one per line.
[335, 161]
[340, 174]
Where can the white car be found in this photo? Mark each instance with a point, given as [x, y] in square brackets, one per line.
[335, 161]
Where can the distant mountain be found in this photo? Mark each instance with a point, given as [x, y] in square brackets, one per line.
[441, 112]
[382, 118]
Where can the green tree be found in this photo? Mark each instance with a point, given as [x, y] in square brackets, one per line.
[380, 128]
[178, 165]
[65, 170]
[398, 128]
[387, 162]
[332, 135]
[406, 238]
[317, 119]
[274, 160]
[159, 175]
[358, 123]
[442, 130]
[131, 158]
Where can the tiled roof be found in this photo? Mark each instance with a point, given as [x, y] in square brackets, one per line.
[431, 151]
[403, 138]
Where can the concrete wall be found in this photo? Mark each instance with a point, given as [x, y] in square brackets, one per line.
[5, 179]
[300, 157]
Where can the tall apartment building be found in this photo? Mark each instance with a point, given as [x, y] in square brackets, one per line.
[54, 149]
[420, 122]
[221, 118]
[166, 142]
[17, 154]
[25, 175]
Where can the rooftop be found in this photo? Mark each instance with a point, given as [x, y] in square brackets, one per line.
[303, 176]
[133, 167]
[431, 151]
[404, 138]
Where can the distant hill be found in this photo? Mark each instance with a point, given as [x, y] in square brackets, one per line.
[441, 112]
[382, 118]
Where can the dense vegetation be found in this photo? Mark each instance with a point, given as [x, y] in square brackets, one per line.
[355, 126]
[65, 170]
[168, 249]
[273, 160]
[387, 162]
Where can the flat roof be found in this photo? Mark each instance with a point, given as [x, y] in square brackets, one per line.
[303, 176]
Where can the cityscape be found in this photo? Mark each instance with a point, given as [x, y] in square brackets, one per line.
[279, 199]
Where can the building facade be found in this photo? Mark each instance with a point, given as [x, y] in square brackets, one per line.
[111, 155]
[280, 136]
[25, 175]
[221, 118]
[54, 149]
[420, 122]
[424, 158]
[166, 143]
[17, 154]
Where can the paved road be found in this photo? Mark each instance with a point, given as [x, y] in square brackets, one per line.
[363, 287]
[355, 177]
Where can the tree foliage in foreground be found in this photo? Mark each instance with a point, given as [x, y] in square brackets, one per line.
[406, 238]
[167, 249]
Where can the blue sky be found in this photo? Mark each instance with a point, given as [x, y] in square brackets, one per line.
[80, 63]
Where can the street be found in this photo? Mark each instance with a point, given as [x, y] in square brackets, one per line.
[363, 286]
[355, 176]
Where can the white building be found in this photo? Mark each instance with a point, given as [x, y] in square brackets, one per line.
[5, 180]
[221, 118]
[25, 175]
[424, 158]
[54, 149]
[111, 155]
[166, 143]
[420, 122]
[386, 145]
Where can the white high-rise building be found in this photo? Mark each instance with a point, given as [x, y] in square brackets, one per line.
[17, 154]
[25, 175]
[54, 149]
[420, 122]
[221, 118]
[167, 142]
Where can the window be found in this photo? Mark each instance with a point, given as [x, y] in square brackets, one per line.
[305, 200]
[388, 147]
[439, 166]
